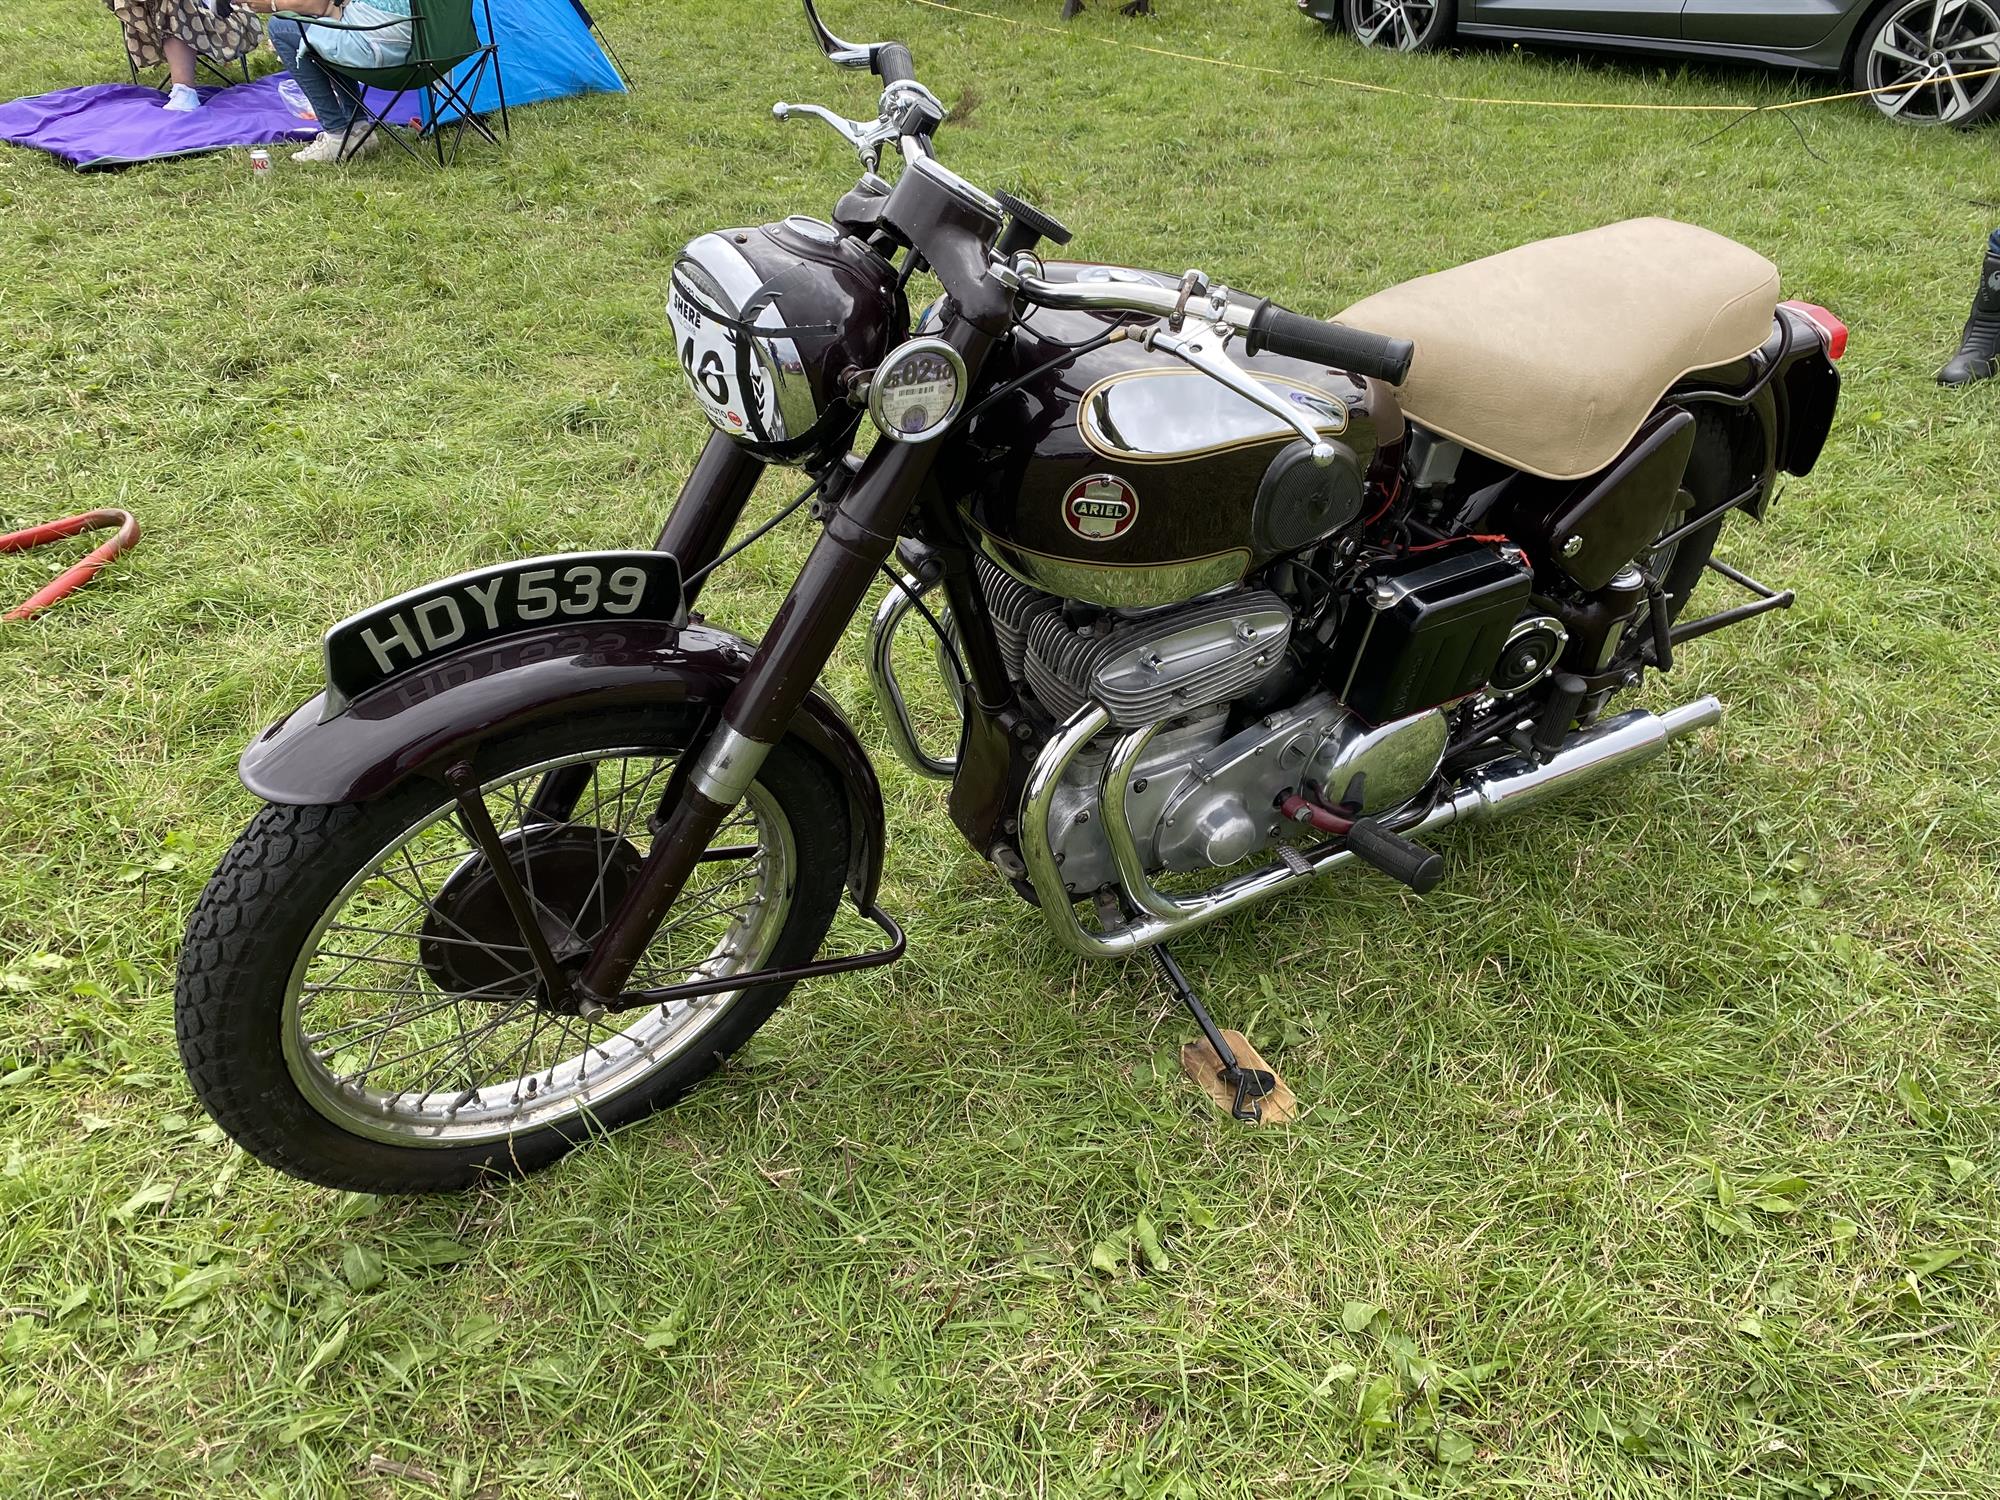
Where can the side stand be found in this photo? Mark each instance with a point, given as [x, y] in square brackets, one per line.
[1251, 1084]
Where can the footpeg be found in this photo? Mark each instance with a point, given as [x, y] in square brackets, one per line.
[1401, 859]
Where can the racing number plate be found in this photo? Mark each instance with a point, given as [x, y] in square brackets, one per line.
[413, 629]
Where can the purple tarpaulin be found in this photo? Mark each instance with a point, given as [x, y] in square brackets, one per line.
[113, 124]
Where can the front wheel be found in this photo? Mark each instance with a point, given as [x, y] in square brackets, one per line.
[1917, 55]
[355, 1004]
[1403, 25]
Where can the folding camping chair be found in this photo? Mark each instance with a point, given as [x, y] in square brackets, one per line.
[442, 39]
[223, 73]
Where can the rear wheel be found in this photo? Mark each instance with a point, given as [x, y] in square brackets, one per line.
[1916, 54]
[1402, 25]
[356, 1005]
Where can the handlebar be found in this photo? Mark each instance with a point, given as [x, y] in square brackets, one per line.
[1283, 331]
[891, 63]
[1264, 325]
[909, 112]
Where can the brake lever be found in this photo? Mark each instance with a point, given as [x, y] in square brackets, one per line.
[866, 139]
[1202, 345]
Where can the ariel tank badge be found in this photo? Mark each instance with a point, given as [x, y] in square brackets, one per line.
[1100, 507]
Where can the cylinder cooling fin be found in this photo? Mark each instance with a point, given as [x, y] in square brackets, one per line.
[1013, 605]
[1169, 663]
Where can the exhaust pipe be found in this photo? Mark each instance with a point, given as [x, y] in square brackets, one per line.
[1617, 744]
[1507, 786]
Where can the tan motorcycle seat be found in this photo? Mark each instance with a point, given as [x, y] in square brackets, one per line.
[1548, 357]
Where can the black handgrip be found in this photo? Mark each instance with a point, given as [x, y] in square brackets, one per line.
[1283, 331]
[892, 64]
[1395, 856]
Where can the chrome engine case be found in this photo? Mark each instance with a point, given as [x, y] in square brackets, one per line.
[1198, 801]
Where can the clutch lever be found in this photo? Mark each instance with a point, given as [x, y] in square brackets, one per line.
[1202, 345]
[907, 109]
[867, 139]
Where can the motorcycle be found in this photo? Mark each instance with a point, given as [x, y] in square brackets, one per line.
[1226, 598]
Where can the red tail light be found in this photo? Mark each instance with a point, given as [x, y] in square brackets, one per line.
[1832, 332]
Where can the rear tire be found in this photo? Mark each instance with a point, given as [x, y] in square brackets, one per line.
[283, 892]
[1401, 25]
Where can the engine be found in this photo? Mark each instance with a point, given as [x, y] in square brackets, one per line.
[1242, 703]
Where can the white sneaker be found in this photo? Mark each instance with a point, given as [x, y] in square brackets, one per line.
[182, 100]
[322, 147]
[363, 144]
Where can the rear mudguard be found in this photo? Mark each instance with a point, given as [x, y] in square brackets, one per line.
[423, 722]
[1776, 405]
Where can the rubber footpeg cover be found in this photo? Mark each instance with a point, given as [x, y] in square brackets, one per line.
[1402, 860]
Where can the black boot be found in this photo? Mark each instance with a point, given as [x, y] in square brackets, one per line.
[1978, 355]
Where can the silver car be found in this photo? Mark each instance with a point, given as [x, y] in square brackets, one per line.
[1931, 62]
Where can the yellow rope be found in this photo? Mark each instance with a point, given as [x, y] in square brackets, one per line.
[1383, 88]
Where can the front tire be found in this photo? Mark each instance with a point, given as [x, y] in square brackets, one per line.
[350, 1007]
[1913, 52]
[1401, 25]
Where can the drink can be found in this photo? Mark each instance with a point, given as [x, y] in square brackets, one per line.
[260, 164]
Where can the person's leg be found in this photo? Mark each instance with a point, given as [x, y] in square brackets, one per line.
[181, 95]
[1978, 356]
[180, 61]
[330, 102]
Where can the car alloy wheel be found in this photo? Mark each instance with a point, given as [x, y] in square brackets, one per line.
[1403, 25]
[1919, 54]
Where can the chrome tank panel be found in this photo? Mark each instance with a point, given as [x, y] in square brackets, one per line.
[1122, 478]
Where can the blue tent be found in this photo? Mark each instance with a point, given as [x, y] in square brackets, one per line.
[549, 49]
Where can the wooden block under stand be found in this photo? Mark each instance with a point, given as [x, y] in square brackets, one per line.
[1199, 1062]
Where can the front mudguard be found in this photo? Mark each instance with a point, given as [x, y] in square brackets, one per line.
[423, 722]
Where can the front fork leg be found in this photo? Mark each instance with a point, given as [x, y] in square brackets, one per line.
[859, 536]
[697, 529]
[836, 577]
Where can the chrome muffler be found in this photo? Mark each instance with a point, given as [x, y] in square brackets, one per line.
[1505, 786]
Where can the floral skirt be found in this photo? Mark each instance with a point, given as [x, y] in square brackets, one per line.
[148, 24]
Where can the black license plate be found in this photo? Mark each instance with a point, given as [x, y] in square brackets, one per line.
[404, 633]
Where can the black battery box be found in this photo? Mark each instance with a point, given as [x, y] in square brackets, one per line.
[1426, 629]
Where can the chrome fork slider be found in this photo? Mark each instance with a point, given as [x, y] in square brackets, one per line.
[1616, 744]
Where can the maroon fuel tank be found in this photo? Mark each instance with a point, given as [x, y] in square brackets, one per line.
[1127, 479]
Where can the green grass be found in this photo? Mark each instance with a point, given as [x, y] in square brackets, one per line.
[1654, 1155]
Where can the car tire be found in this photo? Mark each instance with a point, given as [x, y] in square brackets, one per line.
[1909, 41]
[1401, 25]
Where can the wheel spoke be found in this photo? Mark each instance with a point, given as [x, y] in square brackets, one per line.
[457, 1038]
[428, 1023]
[1898, 107]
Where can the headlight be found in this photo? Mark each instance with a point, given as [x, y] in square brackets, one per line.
[768, 322]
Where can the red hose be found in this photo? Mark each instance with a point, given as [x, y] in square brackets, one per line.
[1325, 819]
[73, 578]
